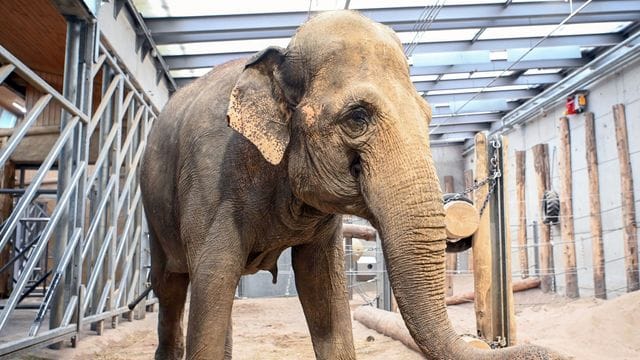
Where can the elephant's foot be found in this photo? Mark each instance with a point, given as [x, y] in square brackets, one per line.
[170, 352]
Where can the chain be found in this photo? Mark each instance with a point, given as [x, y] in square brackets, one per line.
[494, 174]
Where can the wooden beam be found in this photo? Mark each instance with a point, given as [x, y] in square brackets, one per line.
[520, 285]
[566, 211]
[523, 252]
[482, 257]
[7, 179]
[595, 218]
[452, 259]
[468, 183]
[543, 182]
[628, 200]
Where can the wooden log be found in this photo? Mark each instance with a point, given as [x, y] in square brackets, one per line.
[482, 257]
[461, 219]
[517, 286]
[359, 231]
[468, 183]
[595, 218]
[7, 178]
[566, 211]
[509, 288]
[543, 182]
[391, 325]
[523, 252]
[451, 259]
[628, 200]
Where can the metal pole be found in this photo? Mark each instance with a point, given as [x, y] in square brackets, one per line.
[65, 164]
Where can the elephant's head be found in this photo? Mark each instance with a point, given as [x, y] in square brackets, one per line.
[339, 107]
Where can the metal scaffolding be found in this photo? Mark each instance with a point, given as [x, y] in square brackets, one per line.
[95, 233]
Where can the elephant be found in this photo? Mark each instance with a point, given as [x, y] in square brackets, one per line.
[265, 154]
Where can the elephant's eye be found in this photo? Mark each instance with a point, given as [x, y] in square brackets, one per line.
[358, 120]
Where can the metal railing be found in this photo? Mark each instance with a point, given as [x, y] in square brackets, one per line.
[96, 232]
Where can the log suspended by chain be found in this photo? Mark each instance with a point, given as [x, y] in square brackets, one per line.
[391, 325]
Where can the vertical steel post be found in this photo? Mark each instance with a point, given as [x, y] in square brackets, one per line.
[65, 164]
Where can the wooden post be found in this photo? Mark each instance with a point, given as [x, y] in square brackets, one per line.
[566, 211]
[451, 262]
[543, 182]
[599, 284]
[522, 213]
[628, 200]
[482, 261]
[468, 182]
[7, 179]
[506, 202]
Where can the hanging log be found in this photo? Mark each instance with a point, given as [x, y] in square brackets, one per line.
[451, 260]
[468, 183]
[595, 218]
[566, 211]
[461, 219]
[391, 325]
[522, 213]
[482, 257]
[543, 182]
[520, 285]
[511, 336]
[628, 200]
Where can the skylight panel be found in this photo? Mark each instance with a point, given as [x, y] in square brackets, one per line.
[542, 71]
[418, 78]
[478, 89]
[431, 36]
[220, 47]
[490, 74]
[376, 4]
[189, 73]
[169, 8]
[512, 32]
[498, 55]
[455, 76]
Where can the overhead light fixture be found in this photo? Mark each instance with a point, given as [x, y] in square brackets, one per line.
[19, 107]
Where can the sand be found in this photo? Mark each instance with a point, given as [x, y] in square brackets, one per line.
[269, 329]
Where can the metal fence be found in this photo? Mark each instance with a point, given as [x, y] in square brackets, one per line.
[95, 234]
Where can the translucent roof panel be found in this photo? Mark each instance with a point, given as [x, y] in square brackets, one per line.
[489, 74]
[478, 89]
[455, 76]
[424, 78]
[171, 8]
[220, 47]
[510, 32]
[430, 36]
[542, 71]
[189, 73]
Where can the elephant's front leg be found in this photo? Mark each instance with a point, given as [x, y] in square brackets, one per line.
[321, 284]
[213, 284]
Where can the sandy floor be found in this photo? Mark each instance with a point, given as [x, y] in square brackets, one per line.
[269, 329]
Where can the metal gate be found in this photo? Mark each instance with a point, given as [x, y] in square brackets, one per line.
[95, 233]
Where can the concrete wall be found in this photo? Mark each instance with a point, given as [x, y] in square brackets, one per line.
[121, 35]
[622, 87]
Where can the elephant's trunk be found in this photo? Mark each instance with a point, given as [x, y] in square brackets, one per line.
[404, 197]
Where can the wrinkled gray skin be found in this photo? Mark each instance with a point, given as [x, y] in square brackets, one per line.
[261, 155]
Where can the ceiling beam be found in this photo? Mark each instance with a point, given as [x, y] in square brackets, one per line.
[254, 26]
[459, 128]
[487, 95]
[209, 60]
[498, 65]
[480, 83]
[465, 119]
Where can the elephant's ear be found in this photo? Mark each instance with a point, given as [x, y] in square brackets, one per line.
[257, 107]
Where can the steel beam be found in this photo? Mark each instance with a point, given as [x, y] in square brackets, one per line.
[256, 26]
[460, 128]
[497, 65]
[487, 95]
[480, 83]
[209, 60]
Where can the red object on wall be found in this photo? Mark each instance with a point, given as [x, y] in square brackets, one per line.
[576, 103]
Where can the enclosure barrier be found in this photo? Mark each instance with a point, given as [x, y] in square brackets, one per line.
[95, 231]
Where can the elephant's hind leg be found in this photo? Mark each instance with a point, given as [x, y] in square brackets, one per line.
[171, 290]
